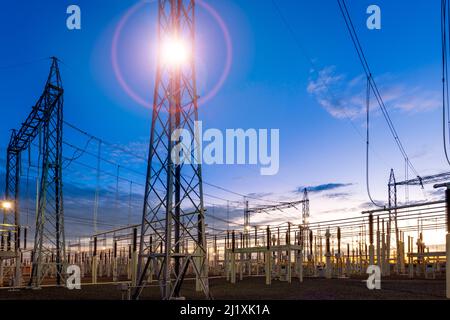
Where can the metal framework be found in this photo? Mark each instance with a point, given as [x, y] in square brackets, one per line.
[246, 223]
[283, 205]
[419, 181]
[305, 209]
[45, 119]
[392, 204]
[173, 230]
[392, 194]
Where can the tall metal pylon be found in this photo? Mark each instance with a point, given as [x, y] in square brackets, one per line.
[392, 190]
[173, 228]
[45, 120]
[49, 241]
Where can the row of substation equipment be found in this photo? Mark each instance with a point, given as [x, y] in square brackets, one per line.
[99, 262]
[279, 258]
[271, 253]
[116, 263]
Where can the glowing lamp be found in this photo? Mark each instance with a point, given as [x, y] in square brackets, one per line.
[6, 205]
[174, 52]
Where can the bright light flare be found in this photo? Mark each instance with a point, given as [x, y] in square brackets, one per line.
[174, 52]
[6, 205]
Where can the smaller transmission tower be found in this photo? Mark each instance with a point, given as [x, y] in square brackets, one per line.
[45, 119]
[305, 209]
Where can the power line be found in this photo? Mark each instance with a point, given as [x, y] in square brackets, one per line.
[372, 83]
[84, 151]
[445, 87]
[112, 145]
[315, 69]
[368, 144]
[128, 168]
[135, 155]
[76, 156]
[23, 64]
[87, 220]
[311, 61]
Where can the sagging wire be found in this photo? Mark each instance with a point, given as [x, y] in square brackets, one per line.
[27, 186]
[129, 201]
[76, 156]
[97, 189]
[360, 52]
[445, 87]
[368, 144]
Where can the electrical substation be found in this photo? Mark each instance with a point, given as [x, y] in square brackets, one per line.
[182, 249]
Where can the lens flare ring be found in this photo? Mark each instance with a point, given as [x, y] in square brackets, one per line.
[135, 96]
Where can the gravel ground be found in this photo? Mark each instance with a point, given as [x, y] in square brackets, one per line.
[254, 288]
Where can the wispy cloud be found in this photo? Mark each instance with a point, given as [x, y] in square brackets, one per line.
[354, 207]
[134, 153]
[436, 194]
[323, 187]
[259, 194]
[345, 97]
[339, 195]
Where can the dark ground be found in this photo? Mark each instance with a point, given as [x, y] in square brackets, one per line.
[254, 288]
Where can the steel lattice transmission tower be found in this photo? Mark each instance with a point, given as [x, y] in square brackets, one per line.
[305, 209]
[45, 120]
[173, 230]
[49, 241]
[392, 201]
[392, 204]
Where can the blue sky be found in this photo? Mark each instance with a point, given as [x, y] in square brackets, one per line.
[271, 84]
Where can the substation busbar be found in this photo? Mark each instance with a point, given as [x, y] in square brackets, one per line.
[94, 262]
[328, 266]
[134, 258]
[268, 258]
[371, 238]
[25, 231]
[8, 241]
[311, 243]
[338, 256]
[233, 257]
[114, 261]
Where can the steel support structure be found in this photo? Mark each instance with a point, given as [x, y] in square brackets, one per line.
[49, 239]
[392, 204]
[284, 205]
[305, 209]
[45, 119]
[421, 181]
[418, 181]
[173, 221]
[246, 223]
[11, 221]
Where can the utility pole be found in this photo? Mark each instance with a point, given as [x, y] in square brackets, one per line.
[173, 210]
[447, 210]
